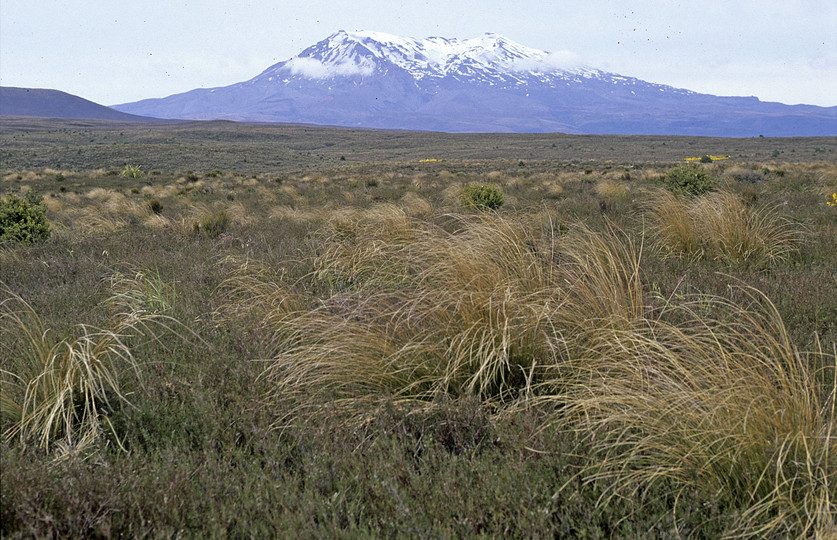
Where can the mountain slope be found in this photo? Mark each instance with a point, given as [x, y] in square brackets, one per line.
[488, 83]
[56, 104]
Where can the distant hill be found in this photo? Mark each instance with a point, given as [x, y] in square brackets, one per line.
[56, 104]
[484, 84]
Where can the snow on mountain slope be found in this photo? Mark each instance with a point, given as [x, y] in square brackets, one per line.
[487, 58]
[486, 83]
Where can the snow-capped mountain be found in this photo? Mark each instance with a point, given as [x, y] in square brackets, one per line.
[490, 58]
[488, 83]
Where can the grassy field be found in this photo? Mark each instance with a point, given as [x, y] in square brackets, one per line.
[255, 330]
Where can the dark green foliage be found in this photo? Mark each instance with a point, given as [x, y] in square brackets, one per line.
[425, 475]
[690, 178]
[482, 197]
[23, 219]
[212, 225]
[155, 206]
[705, 158]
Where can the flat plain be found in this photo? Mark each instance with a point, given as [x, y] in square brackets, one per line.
[264, 330]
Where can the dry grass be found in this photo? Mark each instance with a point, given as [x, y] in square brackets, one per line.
[672, 224]
[739, 233]
[60, 390]
[57, 392]
[703, 393]
[414, 311]
[720, 226]
[611, 189]
[720, 402]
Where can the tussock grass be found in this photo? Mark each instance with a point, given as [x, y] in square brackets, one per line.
[701, 393]
[719, 402]
[672, 227]
[418, 311]
[53, 205]
[721, 226]
[602, 276]
[90, 222]
[736, 232]
[57, 392]
[415, 205]
[433, 374]
[143, 291]
[415, 312]
[610, 188]
[206, 219]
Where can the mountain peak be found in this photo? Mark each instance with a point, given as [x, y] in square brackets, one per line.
[485, 83]
[486, 57]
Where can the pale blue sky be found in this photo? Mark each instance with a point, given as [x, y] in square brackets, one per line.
[112, 52]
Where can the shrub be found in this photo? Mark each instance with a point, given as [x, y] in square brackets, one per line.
[23, 219]
[213, 225]
[705, 158]
[155, 206]
[131, 171]
[690, 178]
[482, 197]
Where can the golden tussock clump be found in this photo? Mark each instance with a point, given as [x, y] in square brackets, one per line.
[415, 205]
[56, 391]
[54, 205]
[611, 189]
[719, 225]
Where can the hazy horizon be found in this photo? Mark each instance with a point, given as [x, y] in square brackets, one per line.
[115, 53]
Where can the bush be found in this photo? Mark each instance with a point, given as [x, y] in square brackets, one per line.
[212, 225]
[482, 197]
[132, 171]
[155, 206]
[690, 178]
[23, 220]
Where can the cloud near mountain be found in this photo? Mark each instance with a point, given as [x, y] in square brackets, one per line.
[314, 68]
[484, 84]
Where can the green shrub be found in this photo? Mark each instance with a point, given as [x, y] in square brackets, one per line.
[690, 178]
[706, 158]
[482, 197]
[23, 219]
[155, 206]
[212, 225]
[132, 171]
